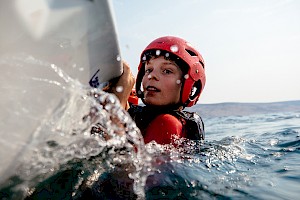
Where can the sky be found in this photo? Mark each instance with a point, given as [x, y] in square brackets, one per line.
[251, 48]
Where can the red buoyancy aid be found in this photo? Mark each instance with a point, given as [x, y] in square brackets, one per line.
[161, 125]
[163, 128]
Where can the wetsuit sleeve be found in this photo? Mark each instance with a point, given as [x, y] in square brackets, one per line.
[162, 128]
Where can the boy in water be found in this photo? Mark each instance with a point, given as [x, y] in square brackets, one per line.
[171, 77]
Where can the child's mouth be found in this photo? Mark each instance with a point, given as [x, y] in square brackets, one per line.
[152, 89]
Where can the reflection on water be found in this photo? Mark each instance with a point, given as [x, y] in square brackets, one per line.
[249, 157]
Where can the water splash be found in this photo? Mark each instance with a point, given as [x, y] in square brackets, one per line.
[72, 134]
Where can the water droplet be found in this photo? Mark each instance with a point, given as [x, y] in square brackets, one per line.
[144, 58]
[178, 82]
[174, 48]
[157, 52]
[186, 76]
[119, 58]
[119, 88]
[110, 99]
[167, 55]
[65, 44]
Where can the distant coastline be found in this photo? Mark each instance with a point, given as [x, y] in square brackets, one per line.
[242, 109]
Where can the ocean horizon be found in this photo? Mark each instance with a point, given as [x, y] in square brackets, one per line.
[244, 109]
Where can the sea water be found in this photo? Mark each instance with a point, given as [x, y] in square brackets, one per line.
[242, 157]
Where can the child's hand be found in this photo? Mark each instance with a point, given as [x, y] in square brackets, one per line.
[124, 85]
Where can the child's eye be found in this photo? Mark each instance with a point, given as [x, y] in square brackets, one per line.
[147, 71]
[167, 71]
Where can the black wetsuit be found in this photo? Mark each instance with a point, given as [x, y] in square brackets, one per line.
[192, 123]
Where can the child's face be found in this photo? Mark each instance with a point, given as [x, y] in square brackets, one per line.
[161, 82]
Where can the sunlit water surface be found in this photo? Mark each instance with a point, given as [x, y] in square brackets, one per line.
[243, 157]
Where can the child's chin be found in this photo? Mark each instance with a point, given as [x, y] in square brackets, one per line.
[152, 103]
[155, 103]
[149, 103]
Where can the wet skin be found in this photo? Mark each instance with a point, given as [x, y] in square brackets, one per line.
[161, 82]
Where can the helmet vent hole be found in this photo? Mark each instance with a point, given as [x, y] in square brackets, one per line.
[195, 91]
[191, 52]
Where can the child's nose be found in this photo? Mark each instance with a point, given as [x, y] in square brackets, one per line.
[153, 75]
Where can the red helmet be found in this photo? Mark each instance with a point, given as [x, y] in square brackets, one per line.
[194, 80]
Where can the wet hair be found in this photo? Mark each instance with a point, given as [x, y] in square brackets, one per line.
[183, 66]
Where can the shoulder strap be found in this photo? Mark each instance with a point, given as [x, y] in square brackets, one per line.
[194, 125]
